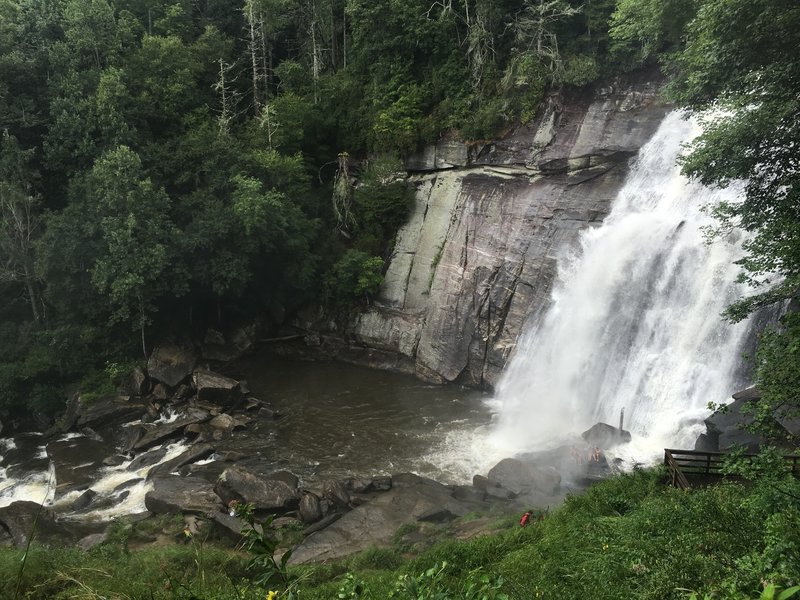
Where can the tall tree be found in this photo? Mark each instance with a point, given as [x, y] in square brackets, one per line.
[134, 229]
[19, 220]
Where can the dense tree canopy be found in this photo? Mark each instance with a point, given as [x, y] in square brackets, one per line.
[169, 165]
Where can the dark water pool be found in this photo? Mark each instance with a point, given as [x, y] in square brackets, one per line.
[341, 419]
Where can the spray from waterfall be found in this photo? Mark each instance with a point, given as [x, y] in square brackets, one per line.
[634, 322]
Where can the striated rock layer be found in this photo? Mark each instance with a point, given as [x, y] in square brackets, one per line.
[477, 259]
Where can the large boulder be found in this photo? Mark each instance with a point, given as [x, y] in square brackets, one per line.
[310, 508]
[512, 474]
[138, 384]
[729, 421]
[336, 493]
[148, 459]
[75, 460]
[522, 478]
[171, 364]
[171, 494]
[156, 433]
[105, 411]
[374, 524]
[240, 484]
[707, 442]
[192, 455]
[216, 388]
[19, 520]
[224, 348]
[606, 436]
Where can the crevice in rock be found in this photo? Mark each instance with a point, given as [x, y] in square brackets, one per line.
[506, 305]
[585, 175]
[464, 251]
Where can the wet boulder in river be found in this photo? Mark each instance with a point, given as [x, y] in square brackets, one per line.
[84, 500]
[191, 455]
[213, 387]
[240, 484]
[148, 459]
[104, 411]
[155, 433]
[310, 508]
[171, 494]
[605, 436]
[336, 493]
[171, 364]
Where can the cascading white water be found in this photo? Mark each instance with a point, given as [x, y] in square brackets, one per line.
[635, 319]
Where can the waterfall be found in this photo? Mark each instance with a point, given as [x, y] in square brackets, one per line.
[634, 322]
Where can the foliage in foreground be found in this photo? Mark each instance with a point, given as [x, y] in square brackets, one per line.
[630, 537]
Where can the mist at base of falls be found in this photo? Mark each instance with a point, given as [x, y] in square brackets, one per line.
[634, 322]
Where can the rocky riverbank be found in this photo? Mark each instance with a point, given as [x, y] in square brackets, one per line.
[158, 449]
[161, 449]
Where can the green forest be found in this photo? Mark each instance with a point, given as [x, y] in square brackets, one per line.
[166, 167]
[169, 166]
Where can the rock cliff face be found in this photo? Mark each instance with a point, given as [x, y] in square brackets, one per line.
[476, 262]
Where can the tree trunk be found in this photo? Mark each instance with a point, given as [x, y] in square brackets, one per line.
[253, 47]
[266, 68]
[142, 321]
[32, 296]
[314, 50]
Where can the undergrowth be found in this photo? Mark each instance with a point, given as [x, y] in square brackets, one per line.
[629, 537]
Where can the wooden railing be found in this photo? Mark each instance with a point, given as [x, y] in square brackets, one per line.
[707, 465]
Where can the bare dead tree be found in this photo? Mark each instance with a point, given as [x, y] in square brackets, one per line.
[343, 195]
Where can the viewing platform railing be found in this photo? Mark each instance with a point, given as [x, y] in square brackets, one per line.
[703, 467]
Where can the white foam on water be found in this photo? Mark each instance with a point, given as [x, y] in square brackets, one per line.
[167, 416]
[37, 487]
[7, 444]
[109, 478]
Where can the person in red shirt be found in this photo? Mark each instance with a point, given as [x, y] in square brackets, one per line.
[526, 518]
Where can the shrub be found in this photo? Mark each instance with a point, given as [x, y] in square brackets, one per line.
[356, 276]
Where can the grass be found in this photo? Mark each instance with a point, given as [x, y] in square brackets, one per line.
[629, 537]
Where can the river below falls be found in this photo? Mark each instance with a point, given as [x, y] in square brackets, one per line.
[337, 421]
